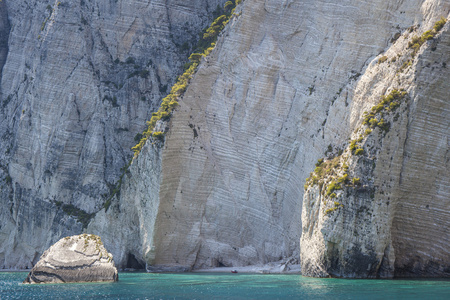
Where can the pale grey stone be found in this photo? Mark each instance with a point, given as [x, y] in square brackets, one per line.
[74, 92]
[79, 258]
[287, 79]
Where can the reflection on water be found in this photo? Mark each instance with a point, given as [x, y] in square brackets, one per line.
[225, 286]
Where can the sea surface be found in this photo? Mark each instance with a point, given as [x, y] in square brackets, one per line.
[224, 286]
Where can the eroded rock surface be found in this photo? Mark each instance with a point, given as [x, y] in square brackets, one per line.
[283, 83]
[394, 219]
[78, 81]
[286, 80]
[79, 258]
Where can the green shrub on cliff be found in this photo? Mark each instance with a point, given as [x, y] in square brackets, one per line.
[343, 179]
[359, 151]
[382, 59]
[439, 24]
[228, 6]
[337, 205]
[352, 145]
[333, 186]
[319, 162]
[195, 57]
[158, 135]
[383, 125]
[417, 41]
[170, 102]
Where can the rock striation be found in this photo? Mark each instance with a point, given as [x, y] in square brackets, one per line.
[80, 258]
[78, 81]
[287, 81]
[4, 31]
[392, 220]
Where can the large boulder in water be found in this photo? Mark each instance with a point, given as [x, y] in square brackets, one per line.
[79, 258]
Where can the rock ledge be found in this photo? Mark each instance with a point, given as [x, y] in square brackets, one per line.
[79, 258]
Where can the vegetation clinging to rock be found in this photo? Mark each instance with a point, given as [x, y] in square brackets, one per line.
[332, 175]
[418, 41]
[170, 102]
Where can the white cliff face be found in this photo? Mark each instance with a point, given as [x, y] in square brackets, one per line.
[388, 226]
[286, 80]
[127, 227]
[420, 227]
[283, 83]
[78, 81]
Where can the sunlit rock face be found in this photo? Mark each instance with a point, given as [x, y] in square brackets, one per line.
[286, 80]
[395, 223]
[79, 258]
[78, 81]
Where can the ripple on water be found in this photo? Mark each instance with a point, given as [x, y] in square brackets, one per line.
[225, 286]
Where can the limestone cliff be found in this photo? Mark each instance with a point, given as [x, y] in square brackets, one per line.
[78, 81]
[4, 30]
[287, 81]
[284, 82]
[380, 207]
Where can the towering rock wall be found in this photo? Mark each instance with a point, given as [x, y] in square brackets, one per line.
[283, 83]
[78, 81]
[288, 81]
[421, 223]
[4, 31]
[393, 219]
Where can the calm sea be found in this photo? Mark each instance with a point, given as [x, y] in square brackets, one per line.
[225, 286]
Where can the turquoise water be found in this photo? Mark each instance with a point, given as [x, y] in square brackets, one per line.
[225, 286]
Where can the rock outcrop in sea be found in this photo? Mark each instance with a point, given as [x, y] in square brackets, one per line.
[79, 258]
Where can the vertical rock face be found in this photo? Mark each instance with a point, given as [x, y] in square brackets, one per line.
[284, 82]
[4, 31]
[287, 81]
[421, 223]
[395, 221]
[78, 81]
[127, 227]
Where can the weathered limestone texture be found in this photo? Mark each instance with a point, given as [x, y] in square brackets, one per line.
[78, 82]
[4, 31]
[396, 221]
[287, 80]
[127, 226]
[283, 83]
[421, 224]
[79, 258]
